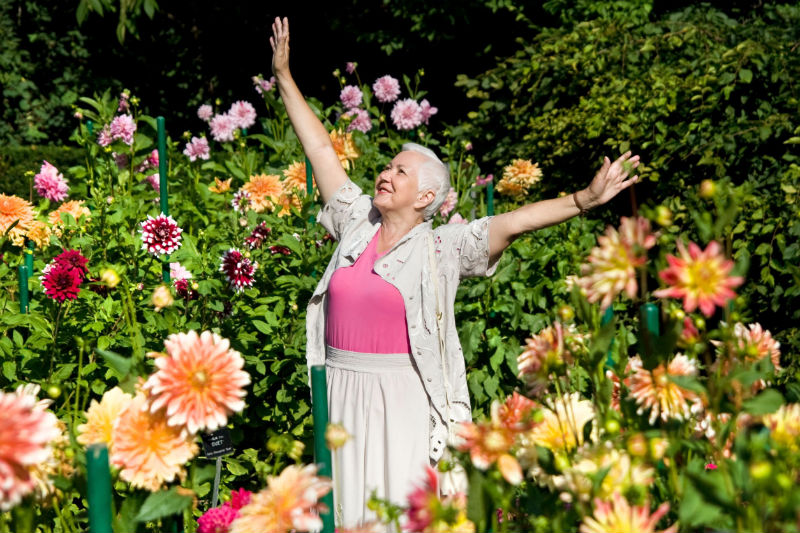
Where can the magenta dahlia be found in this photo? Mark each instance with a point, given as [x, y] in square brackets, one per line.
[238, 269]
[258, 236]
[61, 282]
[73, 259]
[160, 235]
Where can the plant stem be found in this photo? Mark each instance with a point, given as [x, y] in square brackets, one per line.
[55, 338]
[78, 384]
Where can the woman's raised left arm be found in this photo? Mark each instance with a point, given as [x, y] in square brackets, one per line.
[607, 183]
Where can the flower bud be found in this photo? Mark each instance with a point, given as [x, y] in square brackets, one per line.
[110, 278]
[707, 189]
[663, 215]
[637, 445]
[336, 436]
[162, 297]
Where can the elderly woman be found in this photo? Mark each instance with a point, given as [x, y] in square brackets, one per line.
[381, 318]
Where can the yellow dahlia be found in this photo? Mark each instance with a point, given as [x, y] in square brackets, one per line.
[618, 516]
[148, 451]
[561, 430]
[345, 147]
[784, 426]
[653, 389]
[220, 186]
[700, 277]
[15, 209]
[612, 265]
[264, 191]
[290, 502]
[295, 177]
[74, 208]
[622, 474]
[199, 381]
[101, 417]
[39, 234]
[518, 178]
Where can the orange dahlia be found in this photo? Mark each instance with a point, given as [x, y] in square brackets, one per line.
[618, 515]
[543, 353]
[199, 381]
[15, 209]
[653, 389]
[700, 277]
[264, 191]
[101, 417]
[290, 502]
[345, 147]
[148, 450]
[74, 208]
[295, 177]
[220, 186]
[287, 201]
[39, 234]
[518, 178]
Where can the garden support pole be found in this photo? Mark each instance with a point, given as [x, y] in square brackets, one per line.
[162, 185]
[608, 316]
[309, 178]
[322, 455]
[99, 485]
[23, 289]
[490, 198]
[650, 331]
[90, 127]
[30, 245]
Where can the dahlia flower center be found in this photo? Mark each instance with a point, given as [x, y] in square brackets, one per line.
[495, 441]
[199, 379]
[660, 378]
[704, 276]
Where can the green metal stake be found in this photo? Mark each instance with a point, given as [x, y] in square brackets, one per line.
[608, 316]
[162, 185]
[309, 178]
[650, 331]
[23, 289]
[322, 455]
[490, 198]
[90, 127]
[31, 246]
[99, 482]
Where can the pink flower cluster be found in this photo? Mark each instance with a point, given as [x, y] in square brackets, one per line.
[386, 89]
[154, 181]
[351, 96]
[50, 183]
[151, 161]
[205, 112]
[359, 120]
[197, 148]
[124, 105]
[123, 127]
[262, 85]
[61, 279]
[160, 235]
[241, 115]
[407, 114]
[238, 269]
[449, 203]
[219, 519]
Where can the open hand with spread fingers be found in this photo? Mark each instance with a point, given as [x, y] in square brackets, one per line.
[611, 179]
[280, 45]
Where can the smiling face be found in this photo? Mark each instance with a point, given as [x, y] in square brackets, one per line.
[397, 187]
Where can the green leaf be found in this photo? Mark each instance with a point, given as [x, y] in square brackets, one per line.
[120, 365]
[163, 503]
[263, 327]
[694, 511]
[235, 467]
[766, 402]
[746, 75]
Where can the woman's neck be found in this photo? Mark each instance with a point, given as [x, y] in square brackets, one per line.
[393, 228]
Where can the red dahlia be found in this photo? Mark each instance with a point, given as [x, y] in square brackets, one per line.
[61, 282]
[160, 235]
[238, 269]
[259, 235]
[74, 260]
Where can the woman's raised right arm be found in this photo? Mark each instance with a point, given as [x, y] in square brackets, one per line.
[328, 172]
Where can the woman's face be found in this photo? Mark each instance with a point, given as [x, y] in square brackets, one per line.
[397, 187]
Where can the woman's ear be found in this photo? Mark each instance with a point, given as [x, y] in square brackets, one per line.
[424, 199]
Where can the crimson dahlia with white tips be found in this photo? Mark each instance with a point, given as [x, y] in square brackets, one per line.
[161, 235]
[238, 269]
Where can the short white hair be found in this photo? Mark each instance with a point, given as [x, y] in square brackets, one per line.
[433, 174]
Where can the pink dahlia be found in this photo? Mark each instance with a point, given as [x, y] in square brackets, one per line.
[61, 282]
[359, 120]
[151, 161]
[406, 114]
[238, 269]
[239, 498]
[205, 112]
[258, 236]
[124, 105]
[350, 67]
[155, 182]
[386, 89]
[618, 515]
[351, 96]
[73, 259]
[457, 219]
[178, 271]
[160, 235]
[50, 183]
[244, 113]
[427, 110]
[199, 381]
[222, 127]
[700, 277]
[263, 85]
[25, 436]
[104, 137]
[449, 203]
[123, 127]
[483, 181]
[216, 520]
[197, 148]
[423, 502]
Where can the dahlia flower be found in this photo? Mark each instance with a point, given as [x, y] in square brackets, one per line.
[561, 429]
[359, 120]
[15, 209]
[61, 282]
[700, 277]
[238, 269]
[423, 502]
[290, 502]
[123, 127]
[622, 473]
[73, 259]
[386, 89]
[287, 201]
[784, 426]
[124, 105]
[223, 127]
[148, 450]
[543, 353]
[26, 435]
[241, 201]
[277, 249]
[258, 236]
[689, 333]
[518, 178]
[197, 148]
[199, 381]
[151, 161]
[483, 181]
[161, 297]
[205, 112]
[160, 235]
[217, 520]
[50, 183]
[104, 137]
[616, 390]
[154, 181]
[345, 147]
[295, 177]
[618, 515]
[350, 67]
[220, 186]
[101, 418]
[755, 343]
[39, 234]
[653, 389]
[427, 110]
[184, 290]
[612, 265]
[449, 203]
[262, 85]
[351, 96]
[243, 113]
[239, 498]
[264, 191]
[457, 219]
[406, 114]
[74, 208]
[177, 272]
[336, 436]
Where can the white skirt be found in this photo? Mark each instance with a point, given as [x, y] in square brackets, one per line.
[381, 402]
